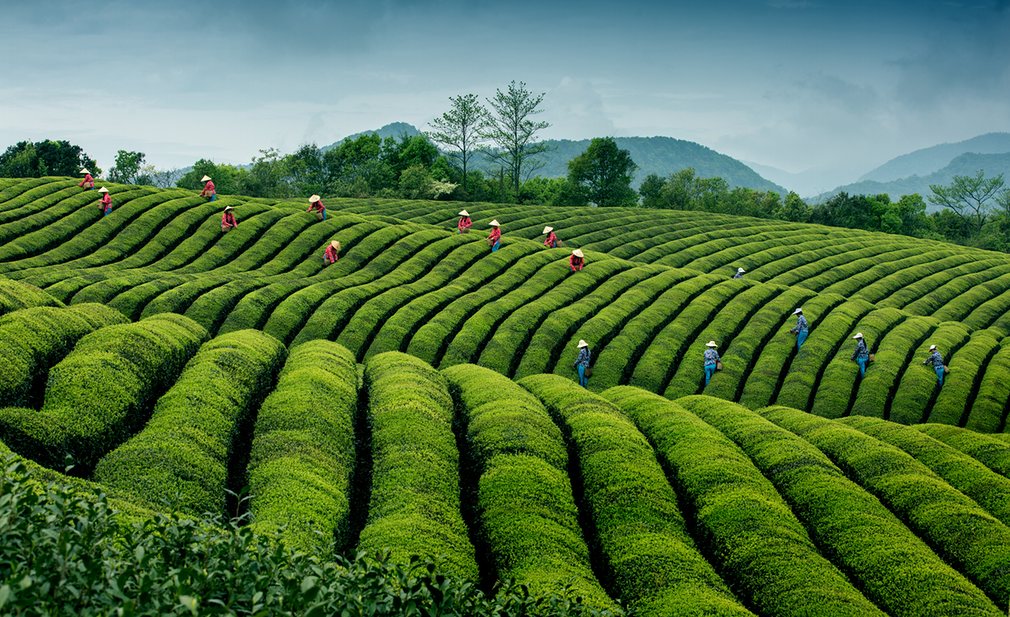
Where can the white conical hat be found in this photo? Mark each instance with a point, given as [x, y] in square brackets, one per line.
[464, 213]
[583, 344]
[103, 190]
[84, 170]
[494, 223]
[227, 208]
[858, 335]
[740, 270]
[711, 344]
[548, 230]
[577, 253]
[335, 244]
[205, 179]
[932, 347]
[797, 311]
[313, 199]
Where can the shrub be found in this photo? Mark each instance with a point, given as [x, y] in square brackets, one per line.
[648, 553]
[893, 567]
[302, 459]
[527, 516]
[414, 508]
[914, 391]
[15, 296]
[988, 450]
[732, 503]
[102, 391]
[179, 461]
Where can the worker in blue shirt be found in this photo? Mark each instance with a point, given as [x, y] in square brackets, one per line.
[801, 329]
[711, 361]
[739, 273]
[862, 354]
[582, 363]
[937, 361]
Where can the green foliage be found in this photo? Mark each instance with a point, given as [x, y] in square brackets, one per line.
[527, 516]
[15, 295]
[128, 168]
[604, 173]
[414, 508]
[510, 126]
[102, 391]
[179, 461]
[459, 130]
[302, 458]
[650, 558]
[45, 158]
[169, 565]
[893, 567]
[988, 450]
[733, 503]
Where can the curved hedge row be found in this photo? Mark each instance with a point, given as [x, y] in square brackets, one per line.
[650, 558]
[102, 391]
[527, 516]
[180, 459]
[414, 508]
[302, 459]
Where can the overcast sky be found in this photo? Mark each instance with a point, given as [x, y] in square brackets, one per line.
[796, 84]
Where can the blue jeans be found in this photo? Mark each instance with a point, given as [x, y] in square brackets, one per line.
[862, 366]
[583, 380]
[800, 338]
[494, 248]
[709, 371]
[212, 197]
[939, 375]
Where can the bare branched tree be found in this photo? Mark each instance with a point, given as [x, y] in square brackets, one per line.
[968, 197]
[511, 128]
[459, 129]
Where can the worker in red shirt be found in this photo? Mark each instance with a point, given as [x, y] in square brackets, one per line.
[464, 223]
[228, 221]
[105, 205]
[552, 238]
[577, 260]
[332, 253]
[494, 238]
[88, 183]
[209, 191]
[316, 205]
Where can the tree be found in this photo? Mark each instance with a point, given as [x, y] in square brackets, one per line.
[968, 197]
[604, 172]
[45, 158]
[651, 191]
[228, 179]
[511, 128]
[460, 129]
[795, 209]
[127, 169]
[415, 183]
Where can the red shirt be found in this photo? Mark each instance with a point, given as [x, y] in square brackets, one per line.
[208, 189]
[551, 240]
[106, 200]
[495, 234]
[87, 181]
[464, 222]
[576, 263]
[331, 254]
[228, 220]
[318, 206]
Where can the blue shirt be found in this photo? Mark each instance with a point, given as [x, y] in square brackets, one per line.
[711, 356]
[861, 352]
[936, 359]
[583, 359]
[801, 324]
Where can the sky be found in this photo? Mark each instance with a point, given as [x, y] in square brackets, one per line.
[835, 88]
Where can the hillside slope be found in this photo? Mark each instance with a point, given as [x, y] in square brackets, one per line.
[657, 287]
[926, 161]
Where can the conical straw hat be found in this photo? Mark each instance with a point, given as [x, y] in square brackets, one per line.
[797, 311]
[84, 171]
[548, 230]
[494, 224]
[313, 199]
[583, 344]
[205, 179]
[103, 190]
[335, 245]
[578, 253]
[711, 344]
[464, 213]
[741, 270]
[858, 335]
[227, 208]
[932, 347]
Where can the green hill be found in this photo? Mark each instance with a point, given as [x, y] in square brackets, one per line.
[930, 160]
[179, 366]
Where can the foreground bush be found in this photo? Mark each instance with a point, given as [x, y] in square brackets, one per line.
[15, 295]
[63, 552]
[302, 459]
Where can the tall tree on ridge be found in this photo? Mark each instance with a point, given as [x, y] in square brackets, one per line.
[511, 128]
[460, 129]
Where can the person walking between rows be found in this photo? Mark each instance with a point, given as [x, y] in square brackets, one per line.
[209, 190]
[582, 363]
[552, 238]
[464, 223]
[801, 329]
[88, 183]
[316, 205]
[228, 221]
[494, 238]
[105, 205]
[862, 354]
[937, 361]
[712, 361]
[739, 273]
[332, 253]
[576, 261]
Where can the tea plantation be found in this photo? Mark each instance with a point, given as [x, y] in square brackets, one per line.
[406, 424]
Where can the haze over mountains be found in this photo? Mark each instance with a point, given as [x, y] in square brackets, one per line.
[903, 175]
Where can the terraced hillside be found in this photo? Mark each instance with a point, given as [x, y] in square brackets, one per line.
[691, 506]
[656, 288]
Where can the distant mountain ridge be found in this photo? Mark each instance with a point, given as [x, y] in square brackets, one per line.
[653, 155]
[964, 165]
[933, 159]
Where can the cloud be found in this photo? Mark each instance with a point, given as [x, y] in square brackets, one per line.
[575, 110]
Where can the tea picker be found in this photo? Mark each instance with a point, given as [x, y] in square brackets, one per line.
[801, 329]
[332, 253]
[711, 360]
[936, 360]
[316, 205]
[88, 183]
[582, 364]
[209, 190]
[464, 223]
[552, 238]
[228, 221]
[494, 238]
[576, 261]
[862, 354]
[739, 273]
[106, 203]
